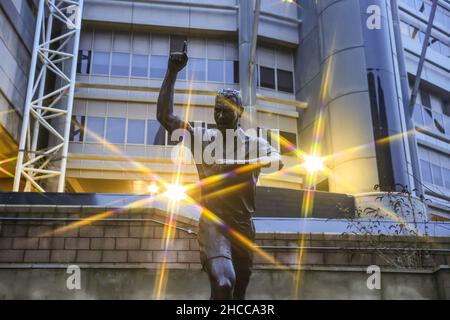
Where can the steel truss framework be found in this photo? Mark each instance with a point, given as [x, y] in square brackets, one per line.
[55, 54]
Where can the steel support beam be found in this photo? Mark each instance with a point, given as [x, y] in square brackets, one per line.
[54, 54]
[412, 143]
[426, 42]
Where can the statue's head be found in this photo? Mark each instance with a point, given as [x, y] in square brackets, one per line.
[228, 108]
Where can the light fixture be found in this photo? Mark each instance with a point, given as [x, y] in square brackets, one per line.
[313, 163]
[175, 192]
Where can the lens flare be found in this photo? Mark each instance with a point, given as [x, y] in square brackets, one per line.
[313, 163]
[152, 188]
[175, 192]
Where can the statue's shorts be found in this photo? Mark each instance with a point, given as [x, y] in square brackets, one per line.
[217, 241]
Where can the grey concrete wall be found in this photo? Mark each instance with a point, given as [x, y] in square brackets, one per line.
[49, 282]
[278, 18]
[120, 256]
[16, 40]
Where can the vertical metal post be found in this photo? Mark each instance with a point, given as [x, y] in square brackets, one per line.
[412, 143]
[246, 13]
[29, 96]
[426, 41]
[35, 135]
[253, 47]
[50, 107]
[68, 119]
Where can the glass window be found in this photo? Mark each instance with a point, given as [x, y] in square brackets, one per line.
[120, 64]
[115, 130]
[158, 66]
[231, 71]
[447, 125]
[156, 134]
[427, 117]
[440, 15]
[435, 45]
[439, 122]
[445, 50]
[215, 70]
[285, 80]
[139, 65]
[421, 37]
[410, 3]
[196, 69]
[446, 174]
[437, 175]
[427, 8]
[425, 98]
[95, 129]
[418, 115]
[267, 77]
[77, 128]
[414, 33]
[182, 74]
[288, 142]
[100, 63]
[426, 171]
[404, 28]
[446, 108]
[420, 6]
[271, 136]
[176, 43]
[136, 131]
[84, 61]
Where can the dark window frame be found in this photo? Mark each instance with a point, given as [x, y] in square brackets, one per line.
[263, 72]
[282, 88]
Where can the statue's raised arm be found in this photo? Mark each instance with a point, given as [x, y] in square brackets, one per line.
[165, 115]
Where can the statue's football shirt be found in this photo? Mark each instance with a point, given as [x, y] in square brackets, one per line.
[229, 190]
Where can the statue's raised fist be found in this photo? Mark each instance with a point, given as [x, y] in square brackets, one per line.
[178, 60]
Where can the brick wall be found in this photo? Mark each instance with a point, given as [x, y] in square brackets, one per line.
[137, 238]
[31, 241]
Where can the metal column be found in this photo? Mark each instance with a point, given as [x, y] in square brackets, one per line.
[56, 55]
[412, 143]
[426, 43]
[246, 40]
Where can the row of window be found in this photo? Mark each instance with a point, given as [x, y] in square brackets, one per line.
[434, 44]
[434, 121]
[434, 116]
[435, 166]
[197, 69]
[424, 6]
[150, 132]
[435, 174]
[155, 66]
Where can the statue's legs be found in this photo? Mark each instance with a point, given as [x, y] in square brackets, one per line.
[227, 261]
[215, 256]
[221, 277]
[242, 263]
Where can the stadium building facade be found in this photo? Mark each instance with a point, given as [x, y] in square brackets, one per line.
[331, 78]
[312, 60]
